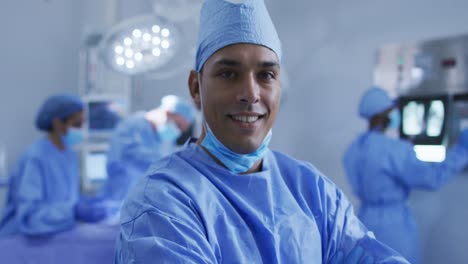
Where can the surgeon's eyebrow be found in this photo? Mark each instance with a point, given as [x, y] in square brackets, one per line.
[234, 63]
[269, 64]
[227, 62]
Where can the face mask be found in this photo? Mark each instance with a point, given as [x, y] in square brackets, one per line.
[395, 120]
[235, 162]
[169, 132]
[72, 137]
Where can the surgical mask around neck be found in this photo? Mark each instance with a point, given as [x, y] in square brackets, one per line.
[236, 163]
[169, 132]
[73, 137]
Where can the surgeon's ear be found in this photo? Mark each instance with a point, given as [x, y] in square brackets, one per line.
[194, 87]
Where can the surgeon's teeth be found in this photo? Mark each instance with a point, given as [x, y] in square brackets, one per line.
[247, 119]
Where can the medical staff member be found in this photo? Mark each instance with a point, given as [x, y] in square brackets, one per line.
[44, 186]
[383, 170]
[143, 138]
[226, 197]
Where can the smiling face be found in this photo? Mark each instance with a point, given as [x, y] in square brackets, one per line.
[238, 92]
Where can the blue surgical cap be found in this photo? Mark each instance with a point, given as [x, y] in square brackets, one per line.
[375, 100]
[57, 106]
[223, 23]
[177, 105]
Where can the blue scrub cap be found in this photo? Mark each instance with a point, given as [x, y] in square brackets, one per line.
[223, 23]
[177, 105]
[375, 100]
[57, 106]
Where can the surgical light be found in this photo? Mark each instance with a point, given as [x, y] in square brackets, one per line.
[165, 32]
[156, 41]
[136, 33]
[130, 64]
[146, 37]
[128, 53]
[120, 61]
[127, 41]
[165, 44]
[155, 28]
[138, 56]
[118, 49]
[156, 52]
[141, 44]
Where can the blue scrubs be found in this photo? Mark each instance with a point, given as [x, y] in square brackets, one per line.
[135, 144]
[43, 191]
[192, 210]
[382, 171]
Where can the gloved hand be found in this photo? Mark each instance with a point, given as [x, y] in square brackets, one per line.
[356, 256]
[463, 138]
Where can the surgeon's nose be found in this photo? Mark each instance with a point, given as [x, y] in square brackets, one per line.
[249, 91]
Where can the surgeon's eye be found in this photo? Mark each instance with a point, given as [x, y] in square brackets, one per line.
[227, 74]
[267, 75]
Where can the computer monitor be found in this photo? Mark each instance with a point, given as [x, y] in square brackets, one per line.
[103, 113]
[93, 167]
[424, 123]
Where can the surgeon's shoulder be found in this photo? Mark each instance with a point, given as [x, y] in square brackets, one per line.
[293, 168]
[159, 189]
[389, 140]
[38, 149]
[308, 184]
[289, 162]
[398, 144]
[172, 165]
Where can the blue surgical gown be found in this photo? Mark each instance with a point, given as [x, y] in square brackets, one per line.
[189, 209]
[382, 171]
[134, 145]
[43, 191]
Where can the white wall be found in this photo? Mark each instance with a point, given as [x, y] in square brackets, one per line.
[39, 57]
